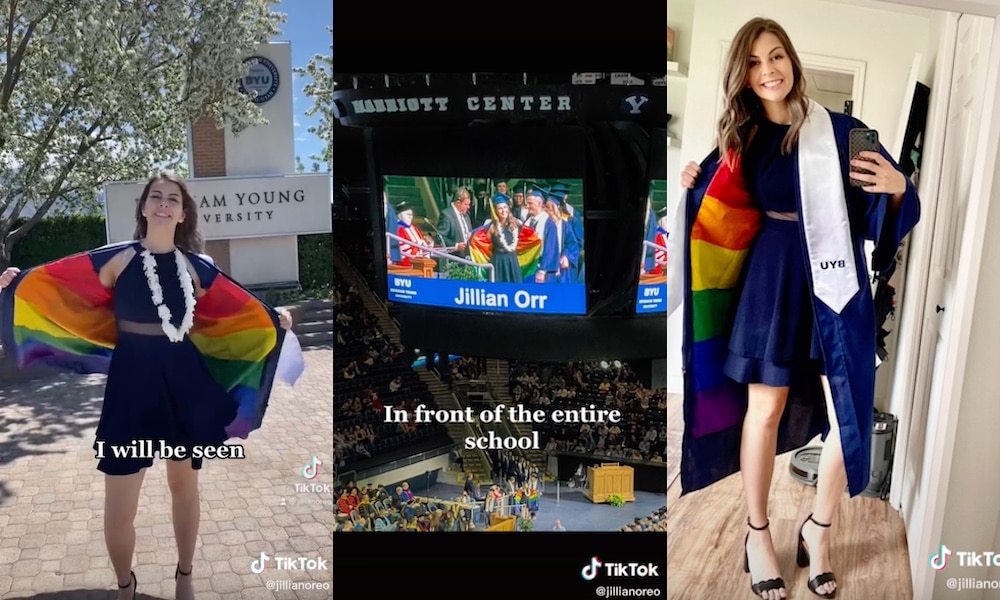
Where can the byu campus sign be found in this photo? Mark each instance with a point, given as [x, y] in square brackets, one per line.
[254, 206]
[237, 207]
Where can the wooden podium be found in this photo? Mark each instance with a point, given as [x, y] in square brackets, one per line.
[421, 267]
[607, 479]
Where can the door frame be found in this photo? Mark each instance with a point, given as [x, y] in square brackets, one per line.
[984, 186]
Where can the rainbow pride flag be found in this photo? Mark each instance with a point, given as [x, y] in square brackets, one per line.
[60, 315]
[529, 249]
[723, 230]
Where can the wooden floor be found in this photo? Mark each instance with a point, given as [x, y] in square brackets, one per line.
[707, 528]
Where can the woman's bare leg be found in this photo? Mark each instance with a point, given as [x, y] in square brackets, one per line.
[831, 481]
[121, 502]
[757, 450]
[185, 501]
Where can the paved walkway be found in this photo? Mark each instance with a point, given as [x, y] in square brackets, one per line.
[52, 499]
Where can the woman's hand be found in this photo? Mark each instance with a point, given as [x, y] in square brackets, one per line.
[884, 179]
[689, 176]
[284, 318]
[7, 276]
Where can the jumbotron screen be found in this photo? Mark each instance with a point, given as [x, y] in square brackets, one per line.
[652, 291]
[486, 244]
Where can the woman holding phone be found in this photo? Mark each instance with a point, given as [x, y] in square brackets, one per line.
[780, 333]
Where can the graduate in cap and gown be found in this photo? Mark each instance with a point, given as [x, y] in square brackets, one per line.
[541, 223]
[569, 245]
[504, 232]
[561, 192]
[779, 328]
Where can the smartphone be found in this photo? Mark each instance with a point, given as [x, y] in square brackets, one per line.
[861, 140]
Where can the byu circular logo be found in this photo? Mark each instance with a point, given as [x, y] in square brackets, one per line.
[261, 80]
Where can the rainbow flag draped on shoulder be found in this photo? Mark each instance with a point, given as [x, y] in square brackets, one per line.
[724, 227]
[529, 249]
[60, 315]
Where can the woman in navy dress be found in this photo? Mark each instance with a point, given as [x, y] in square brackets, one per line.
[158, 385]
[774, 337]
[504, 234]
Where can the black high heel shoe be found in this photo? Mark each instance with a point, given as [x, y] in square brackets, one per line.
[761, 586]
[133, 583]
[178, 572]
[803, 559]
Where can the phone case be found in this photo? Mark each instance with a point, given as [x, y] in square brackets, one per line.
[861, 140]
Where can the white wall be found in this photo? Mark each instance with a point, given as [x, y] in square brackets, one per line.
[970, 515]
[272, 259]
[876, 33]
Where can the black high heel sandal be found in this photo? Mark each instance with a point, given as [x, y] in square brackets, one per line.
[761, 586]
[178, 572]
[132, 582]
[803, 559]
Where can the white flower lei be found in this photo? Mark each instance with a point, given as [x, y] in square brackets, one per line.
[175, 334]
[503, 239]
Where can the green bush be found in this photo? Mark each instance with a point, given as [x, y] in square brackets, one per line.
[316, 261]
[57, 237]
[461, 272]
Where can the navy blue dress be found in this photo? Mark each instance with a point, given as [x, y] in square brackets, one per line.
[774, 333]
[506, 267]
[157, 389]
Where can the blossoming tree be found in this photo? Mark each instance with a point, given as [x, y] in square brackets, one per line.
[95, 91]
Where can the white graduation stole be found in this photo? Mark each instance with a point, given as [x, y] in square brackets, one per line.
[825, 222]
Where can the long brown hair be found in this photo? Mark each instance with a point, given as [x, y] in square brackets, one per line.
[742, 104]
[187, 236]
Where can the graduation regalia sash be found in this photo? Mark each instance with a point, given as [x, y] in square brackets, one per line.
[60, 315]
[825, 222]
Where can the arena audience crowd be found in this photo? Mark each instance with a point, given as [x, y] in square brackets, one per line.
[654, 522]
[642, 432]
[377, 509]
[371, 373]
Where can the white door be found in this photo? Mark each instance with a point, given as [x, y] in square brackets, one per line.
[961, 135]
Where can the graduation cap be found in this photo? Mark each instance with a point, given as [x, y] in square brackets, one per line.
[402, 207]
[520, 186]
[560, 188]
[537, 190]
[499, 199]
[662, 213]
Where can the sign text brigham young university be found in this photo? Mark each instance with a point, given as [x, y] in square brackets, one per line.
[523, 103]
[247, 206]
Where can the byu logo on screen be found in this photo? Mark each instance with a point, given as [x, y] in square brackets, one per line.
[261, 80]
[635, 103]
